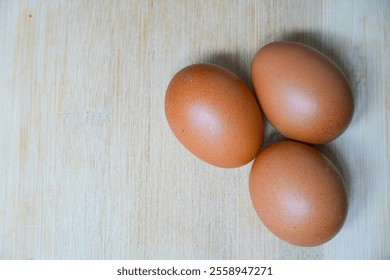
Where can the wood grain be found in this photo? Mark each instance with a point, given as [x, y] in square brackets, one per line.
[89, 167]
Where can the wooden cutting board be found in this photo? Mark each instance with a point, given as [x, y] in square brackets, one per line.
[89, 167]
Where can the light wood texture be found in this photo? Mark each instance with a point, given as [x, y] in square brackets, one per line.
[89, 167]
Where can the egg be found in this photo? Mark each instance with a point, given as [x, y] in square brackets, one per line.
[298, 193]
[303, 94]
[213, 113]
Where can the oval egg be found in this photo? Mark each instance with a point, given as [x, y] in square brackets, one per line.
[298, 193]
[302, 93]
[214, 115]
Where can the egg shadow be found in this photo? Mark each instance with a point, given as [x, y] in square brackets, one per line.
[272, 135]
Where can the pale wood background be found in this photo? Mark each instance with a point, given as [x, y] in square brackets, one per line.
[89, 168]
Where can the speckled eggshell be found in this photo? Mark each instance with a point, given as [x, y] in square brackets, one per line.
[302, 93]
[213, 113]
[298, 193]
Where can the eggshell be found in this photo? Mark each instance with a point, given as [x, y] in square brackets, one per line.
[298, 193]
[302, 93]
[214, 115]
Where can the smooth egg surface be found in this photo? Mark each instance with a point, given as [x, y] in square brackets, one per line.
[302, 93]
[298, 193]
[213, 113]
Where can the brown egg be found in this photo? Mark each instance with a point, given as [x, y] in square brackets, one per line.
[298, 193]
[214, 115]
[302, 93]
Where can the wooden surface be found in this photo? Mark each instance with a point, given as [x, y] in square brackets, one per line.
[89, 167]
